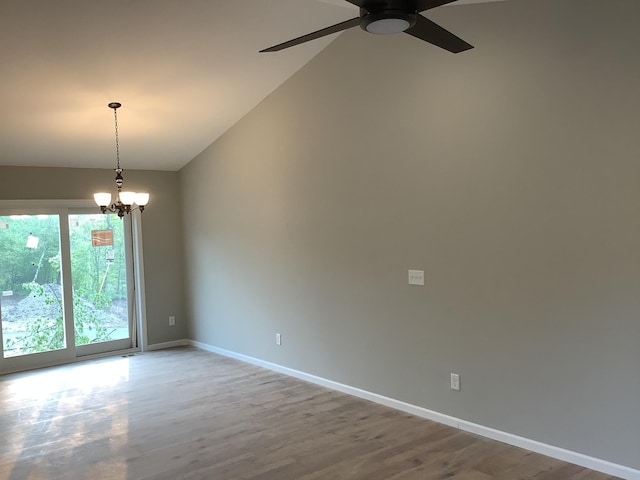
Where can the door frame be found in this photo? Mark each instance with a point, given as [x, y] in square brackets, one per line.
[137, 307]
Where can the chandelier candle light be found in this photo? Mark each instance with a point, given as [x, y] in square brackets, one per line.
[125, 201]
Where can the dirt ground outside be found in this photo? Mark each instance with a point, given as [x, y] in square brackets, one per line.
[17, 312]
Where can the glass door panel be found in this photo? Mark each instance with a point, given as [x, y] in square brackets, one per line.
[31, 294]
[66, 284]
[100, 281]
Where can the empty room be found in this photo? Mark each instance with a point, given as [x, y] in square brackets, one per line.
[320, 239]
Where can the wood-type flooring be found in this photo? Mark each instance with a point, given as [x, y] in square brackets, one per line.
[189, 414]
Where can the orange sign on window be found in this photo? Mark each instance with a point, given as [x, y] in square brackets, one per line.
[102, 238]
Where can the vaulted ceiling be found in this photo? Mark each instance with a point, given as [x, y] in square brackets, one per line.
[184, 70]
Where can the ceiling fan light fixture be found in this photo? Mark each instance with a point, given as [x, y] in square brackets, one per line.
[387, 22]
[390, 16]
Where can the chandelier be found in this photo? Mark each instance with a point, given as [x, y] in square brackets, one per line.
[125, 201]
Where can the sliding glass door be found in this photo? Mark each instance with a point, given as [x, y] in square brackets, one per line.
[65, 286]
[101, 280]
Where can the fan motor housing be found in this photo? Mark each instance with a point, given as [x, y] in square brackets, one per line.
[387, 21]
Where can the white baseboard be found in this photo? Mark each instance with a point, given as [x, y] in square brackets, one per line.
[549, 450]
[172, 344]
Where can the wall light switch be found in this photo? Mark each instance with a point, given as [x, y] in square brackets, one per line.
[455, 381]
[278, 339]
[416, 277]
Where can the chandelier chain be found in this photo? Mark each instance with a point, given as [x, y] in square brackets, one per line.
[115, 116]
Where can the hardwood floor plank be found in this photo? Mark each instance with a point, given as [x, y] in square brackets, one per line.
[189, 414]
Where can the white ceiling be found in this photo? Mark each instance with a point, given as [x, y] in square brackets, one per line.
[184, 70]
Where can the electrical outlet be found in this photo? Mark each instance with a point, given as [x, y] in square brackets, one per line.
[172, 320]
[278, 339]
[455, 381]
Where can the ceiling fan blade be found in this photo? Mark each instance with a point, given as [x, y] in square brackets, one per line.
[422, 5]
[426, 30]
[312, 36]
[419, 5]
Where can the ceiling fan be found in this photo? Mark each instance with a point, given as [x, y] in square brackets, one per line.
[391, 16]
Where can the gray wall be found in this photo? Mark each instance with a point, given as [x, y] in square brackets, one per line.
[510, 174]
[162, 239]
